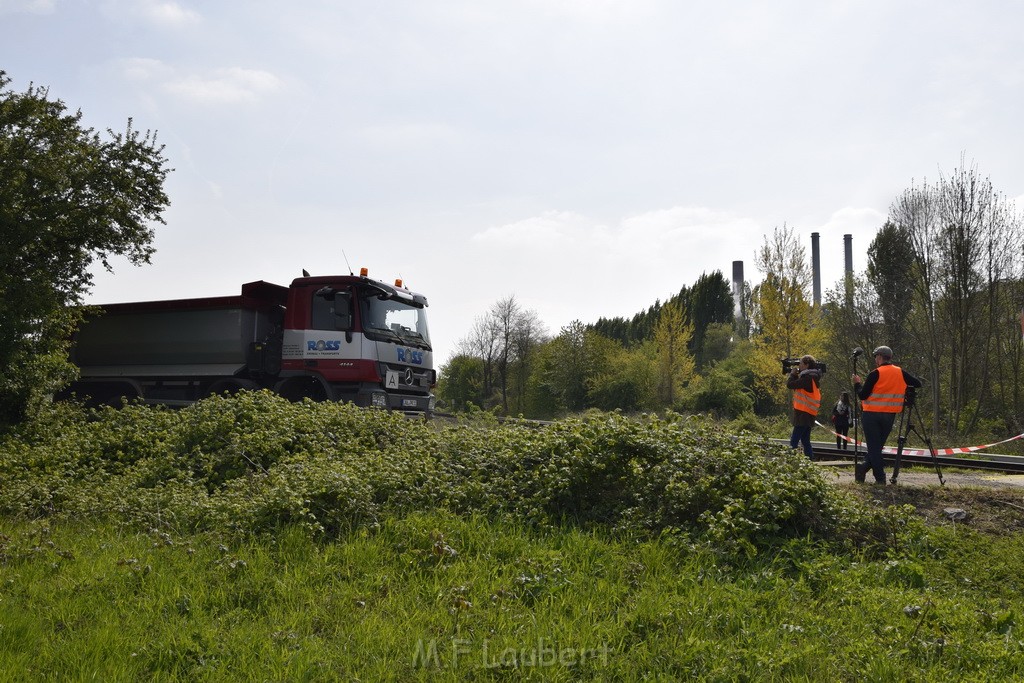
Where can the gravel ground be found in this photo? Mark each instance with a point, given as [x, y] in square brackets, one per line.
[986, 502]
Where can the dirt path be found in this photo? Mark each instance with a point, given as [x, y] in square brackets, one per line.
[990, 503]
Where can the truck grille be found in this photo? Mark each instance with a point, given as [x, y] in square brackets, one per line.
[413, 380]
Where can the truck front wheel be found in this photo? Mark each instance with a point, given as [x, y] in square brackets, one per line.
[296, 389]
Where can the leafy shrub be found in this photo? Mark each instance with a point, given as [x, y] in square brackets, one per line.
[253, 462]
[720, 394]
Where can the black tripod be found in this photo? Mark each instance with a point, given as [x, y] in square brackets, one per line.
[906, 426]
[855, 410]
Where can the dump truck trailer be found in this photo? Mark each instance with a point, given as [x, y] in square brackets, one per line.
[326, 338]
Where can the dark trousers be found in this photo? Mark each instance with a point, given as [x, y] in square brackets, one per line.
[844, 430]
[877, 427]
[802, 435]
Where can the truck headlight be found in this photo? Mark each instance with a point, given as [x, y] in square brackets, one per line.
[379, 399]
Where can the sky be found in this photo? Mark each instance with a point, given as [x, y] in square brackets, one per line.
[588, 157]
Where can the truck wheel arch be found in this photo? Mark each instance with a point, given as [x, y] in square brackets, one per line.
[299, 387]
[231, 386]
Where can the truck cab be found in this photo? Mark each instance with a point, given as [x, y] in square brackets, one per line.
[357, 339]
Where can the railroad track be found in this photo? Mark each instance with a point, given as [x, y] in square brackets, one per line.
[991, 462]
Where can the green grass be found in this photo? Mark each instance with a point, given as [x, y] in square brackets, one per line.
[248, 538]
[439, 597]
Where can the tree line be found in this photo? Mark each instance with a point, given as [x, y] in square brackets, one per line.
[509, 362]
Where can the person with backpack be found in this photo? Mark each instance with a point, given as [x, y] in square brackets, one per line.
[842, 412]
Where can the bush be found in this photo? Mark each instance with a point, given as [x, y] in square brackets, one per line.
[253, 462]
[720, 394]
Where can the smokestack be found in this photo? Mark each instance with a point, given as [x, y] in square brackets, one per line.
[848, 253]
[737, 290]
[816, 267]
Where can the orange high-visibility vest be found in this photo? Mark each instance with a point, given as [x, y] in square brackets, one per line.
[888, 392]
[807, 401]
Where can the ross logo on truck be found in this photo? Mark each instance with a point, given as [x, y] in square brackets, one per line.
[410, 356]
[321, 345]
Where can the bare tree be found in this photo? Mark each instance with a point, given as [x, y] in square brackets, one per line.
[916, 214]
[483, 343]
[504, 339]
[529, 334]
[966, 241]
[505, 315]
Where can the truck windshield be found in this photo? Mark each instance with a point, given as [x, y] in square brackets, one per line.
[392, 320]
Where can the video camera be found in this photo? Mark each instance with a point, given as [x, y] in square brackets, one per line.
[789, 363]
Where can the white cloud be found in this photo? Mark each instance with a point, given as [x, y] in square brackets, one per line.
[27, 6]
[162, 13]
[143, 69]
[168, 14]
[554, 229]
[233, 85]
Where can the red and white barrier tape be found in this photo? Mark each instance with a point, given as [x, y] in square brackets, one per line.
[924, 451]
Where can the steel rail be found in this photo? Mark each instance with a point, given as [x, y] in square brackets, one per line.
[1009, 464]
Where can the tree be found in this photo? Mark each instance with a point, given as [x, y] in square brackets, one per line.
[629, 378]
[784, 322]
[850, 319]
[709, 302]
[675, 364]
[68, 198]
[566, 367]
[890, 272]
[529, 334]
[483, 342]
[979, 240]
[967, 246]
[461, 382]
[504, 339]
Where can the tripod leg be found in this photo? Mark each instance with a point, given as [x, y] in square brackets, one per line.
[901, 440]
[928, 443]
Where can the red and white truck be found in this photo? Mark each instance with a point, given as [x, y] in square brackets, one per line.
[327, 338]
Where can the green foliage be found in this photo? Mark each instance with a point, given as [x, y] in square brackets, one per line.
[254, 462]
[785, 322]
[68, 198]
[672, 337]
[461, 382]
[718, 393]
[628, 380]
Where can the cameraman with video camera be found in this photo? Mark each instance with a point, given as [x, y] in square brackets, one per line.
[882, 397]
[804, 377]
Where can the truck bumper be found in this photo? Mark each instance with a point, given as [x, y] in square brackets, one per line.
[375, 397]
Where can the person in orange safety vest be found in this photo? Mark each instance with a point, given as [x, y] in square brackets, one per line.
[881, 397]
[803, 380]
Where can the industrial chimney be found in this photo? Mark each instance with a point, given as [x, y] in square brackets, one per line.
[848, 253]
[737, 291]
[816, 268]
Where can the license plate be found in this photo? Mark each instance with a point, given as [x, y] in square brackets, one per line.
[409, 403]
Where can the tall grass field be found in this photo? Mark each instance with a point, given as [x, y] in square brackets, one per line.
[250, 539]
